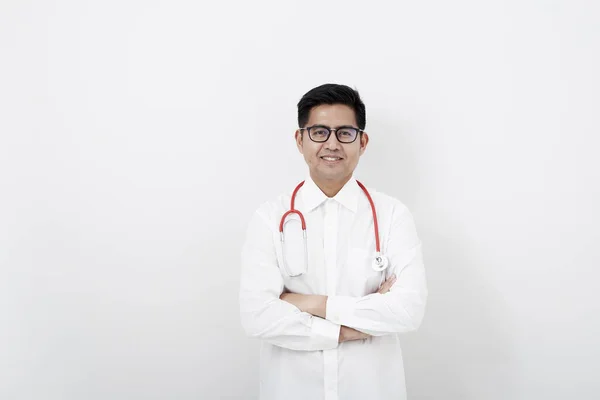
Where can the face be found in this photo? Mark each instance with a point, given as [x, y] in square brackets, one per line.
[331, 161]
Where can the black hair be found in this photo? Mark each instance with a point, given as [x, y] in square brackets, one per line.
[331, 93]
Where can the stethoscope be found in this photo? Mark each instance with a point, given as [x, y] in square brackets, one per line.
[380, 262]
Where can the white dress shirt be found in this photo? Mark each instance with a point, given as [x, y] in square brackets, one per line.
[300, 355]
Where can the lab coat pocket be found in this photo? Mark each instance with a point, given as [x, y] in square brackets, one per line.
[364, 278]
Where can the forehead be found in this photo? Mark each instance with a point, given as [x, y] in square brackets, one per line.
[332, 115]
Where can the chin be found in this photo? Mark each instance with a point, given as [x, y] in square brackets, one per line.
[331, 175]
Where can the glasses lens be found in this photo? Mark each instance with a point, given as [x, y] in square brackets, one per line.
[318, 133]
[347, 135]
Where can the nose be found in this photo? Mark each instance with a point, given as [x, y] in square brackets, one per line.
[332, 143]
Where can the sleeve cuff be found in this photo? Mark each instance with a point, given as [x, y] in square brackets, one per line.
[339, 309]
[325, 332]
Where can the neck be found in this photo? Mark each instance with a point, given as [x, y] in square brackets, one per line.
[330, 187]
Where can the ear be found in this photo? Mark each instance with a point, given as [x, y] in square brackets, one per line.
[364, 140]
[298, 137]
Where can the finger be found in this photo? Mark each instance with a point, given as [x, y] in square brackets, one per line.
[389, 281]
[387, 285]
[384, 288]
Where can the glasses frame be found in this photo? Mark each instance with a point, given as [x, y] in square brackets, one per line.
[329, 130]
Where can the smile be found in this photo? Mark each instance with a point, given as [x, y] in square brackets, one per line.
[331, 158]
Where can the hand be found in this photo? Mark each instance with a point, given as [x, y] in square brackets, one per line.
[387, 285]
[347, 334]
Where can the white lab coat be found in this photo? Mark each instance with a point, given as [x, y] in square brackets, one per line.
[300, 355]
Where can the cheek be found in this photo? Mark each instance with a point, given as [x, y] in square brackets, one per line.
[353, 155]
[311, 152]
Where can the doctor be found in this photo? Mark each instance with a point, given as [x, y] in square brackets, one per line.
[327, 317]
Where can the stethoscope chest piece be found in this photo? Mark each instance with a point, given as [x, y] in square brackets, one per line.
[380, 262]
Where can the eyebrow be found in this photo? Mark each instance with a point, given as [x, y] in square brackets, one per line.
[339, 127]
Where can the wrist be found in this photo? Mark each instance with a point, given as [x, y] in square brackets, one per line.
[318, 306]
[342, 337]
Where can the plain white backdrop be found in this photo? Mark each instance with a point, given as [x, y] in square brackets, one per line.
[137, 138]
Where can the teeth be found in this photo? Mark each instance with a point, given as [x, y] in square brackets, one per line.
[330, 158]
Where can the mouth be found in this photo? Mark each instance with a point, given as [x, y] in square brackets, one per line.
[331, 159]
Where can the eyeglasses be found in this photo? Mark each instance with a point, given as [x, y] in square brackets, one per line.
[321, 133]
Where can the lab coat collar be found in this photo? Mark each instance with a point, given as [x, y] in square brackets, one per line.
[313, 196]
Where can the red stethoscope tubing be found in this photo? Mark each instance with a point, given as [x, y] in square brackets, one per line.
[375, 223]
[292, 210]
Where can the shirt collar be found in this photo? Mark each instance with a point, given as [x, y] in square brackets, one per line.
[313, 196]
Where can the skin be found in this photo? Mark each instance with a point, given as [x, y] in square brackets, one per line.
[330, 177]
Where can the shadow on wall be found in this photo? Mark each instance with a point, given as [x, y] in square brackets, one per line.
[462, 350]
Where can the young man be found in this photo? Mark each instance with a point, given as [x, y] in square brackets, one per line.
[327, 311]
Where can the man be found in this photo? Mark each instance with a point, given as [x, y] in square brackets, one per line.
[328, 321]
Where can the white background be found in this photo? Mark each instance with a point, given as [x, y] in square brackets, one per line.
[137, 138]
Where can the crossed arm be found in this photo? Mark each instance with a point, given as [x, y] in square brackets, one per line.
[316, 305]
[312, 322]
